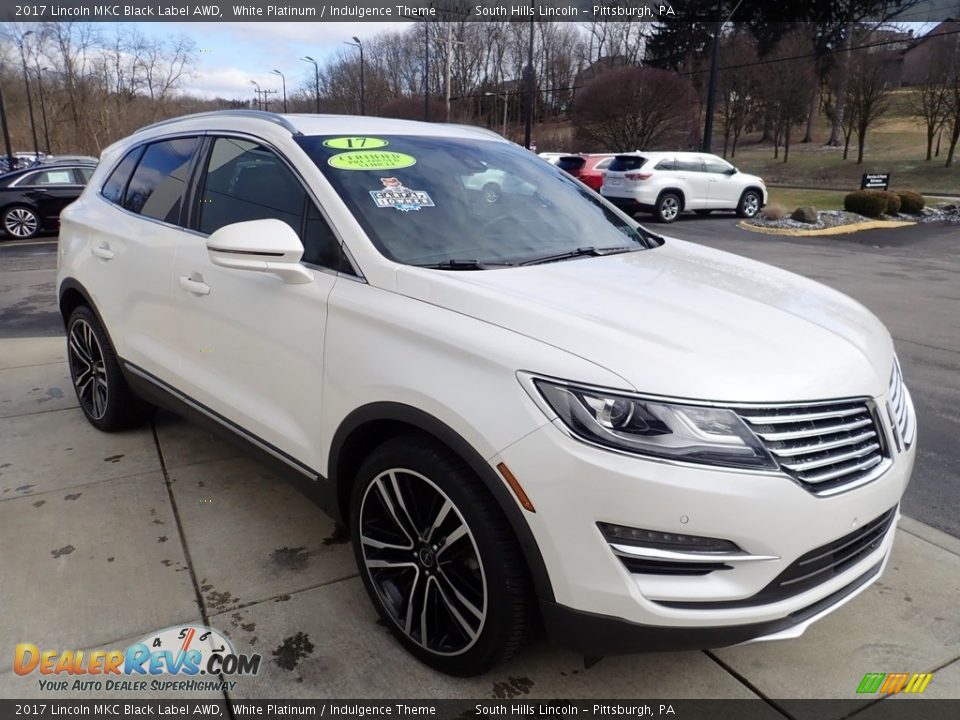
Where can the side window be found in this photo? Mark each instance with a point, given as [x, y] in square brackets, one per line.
[715, 166]
[603, 164]
[669, 164]
[157, 186]
[246, 181]
[83, 175]
[117, 182]
[54, 177]
[689, 164]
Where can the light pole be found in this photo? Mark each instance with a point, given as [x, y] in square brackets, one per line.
[450, 43]
[6, 133]
[26, 81]
[259, 103]
[528, 128]
[316, 80]
[284, 80]
[506, 101]
[43, 107]
[363, 99]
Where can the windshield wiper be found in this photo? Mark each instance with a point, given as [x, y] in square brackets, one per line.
[588, 251]
[458, 264]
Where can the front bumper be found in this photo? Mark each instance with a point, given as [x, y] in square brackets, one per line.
[601, 607]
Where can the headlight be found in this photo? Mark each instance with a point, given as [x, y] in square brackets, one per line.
[691, 433]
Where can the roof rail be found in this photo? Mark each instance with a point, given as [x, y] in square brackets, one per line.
[261, 114]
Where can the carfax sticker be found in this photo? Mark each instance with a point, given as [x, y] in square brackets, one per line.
[371, 160]
[396, 195]
[355, 143]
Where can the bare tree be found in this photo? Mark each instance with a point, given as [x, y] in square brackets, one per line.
[785, 85]
[737, 89]
[629, 108]
[868, 94]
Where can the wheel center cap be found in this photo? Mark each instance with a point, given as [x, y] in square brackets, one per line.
[426, 556]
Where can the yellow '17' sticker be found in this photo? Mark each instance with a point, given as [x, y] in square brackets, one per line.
[355, 143]
[371, 160]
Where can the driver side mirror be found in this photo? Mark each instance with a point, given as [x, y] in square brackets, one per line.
[731, 171]
[268, 245]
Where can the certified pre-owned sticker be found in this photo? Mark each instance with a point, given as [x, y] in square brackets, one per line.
[355, 143]
[395, 195]
[371, 160]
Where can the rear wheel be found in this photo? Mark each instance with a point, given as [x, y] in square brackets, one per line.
[102, 392]
[438, 558]
[749, 205]
[668, 207]
[21, 222]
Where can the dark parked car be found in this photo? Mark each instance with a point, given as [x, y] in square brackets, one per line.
[31, 199]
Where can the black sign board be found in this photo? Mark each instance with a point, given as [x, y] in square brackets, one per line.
[875, 181]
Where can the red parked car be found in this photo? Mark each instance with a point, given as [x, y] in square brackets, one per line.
[587, 168]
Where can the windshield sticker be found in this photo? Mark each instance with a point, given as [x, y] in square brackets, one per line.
[355, 143]
[396, 195]
[371, 160]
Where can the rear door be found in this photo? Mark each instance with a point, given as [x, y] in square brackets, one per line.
[51, 191]
[696, 189]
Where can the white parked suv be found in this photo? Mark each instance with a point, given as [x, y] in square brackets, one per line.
[667, 183]
[520, 408]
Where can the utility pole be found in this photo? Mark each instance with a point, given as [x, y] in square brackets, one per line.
[528, 130]
[259, 103]
[712, 83]
[43, 107]
[450, 43]
[26, 81]
[6, 132]
[316, 80]
[426, 70]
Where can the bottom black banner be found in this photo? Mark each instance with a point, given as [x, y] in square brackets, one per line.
[759, 709]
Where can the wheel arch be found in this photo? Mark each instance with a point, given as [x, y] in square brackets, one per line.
[757, 189]
[71, 295]
[369, 426]
[676, 191]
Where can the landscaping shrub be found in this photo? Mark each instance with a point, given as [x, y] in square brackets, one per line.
[773, 212]
[911, 202]
[893, 203]
[872, 203]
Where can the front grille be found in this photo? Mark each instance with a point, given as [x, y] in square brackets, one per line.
[814, 568]
[901, 408]
[827, 447]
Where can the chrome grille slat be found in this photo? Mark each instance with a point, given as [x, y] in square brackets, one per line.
[803, 416]
[782, 452]
[817, 431]
[831, 459]
[833, 474]
[827, 447]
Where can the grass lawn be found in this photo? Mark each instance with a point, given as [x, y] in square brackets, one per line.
[791, 199]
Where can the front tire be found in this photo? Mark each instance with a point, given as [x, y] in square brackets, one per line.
[750, 204]
[668, 207]
[438, 558]
[103, 393]
[21, 222]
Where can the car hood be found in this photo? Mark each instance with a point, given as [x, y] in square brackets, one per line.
[681, 320]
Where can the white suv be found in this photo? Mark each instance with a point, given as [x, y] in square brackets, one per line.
[667, 183]
[520, 407]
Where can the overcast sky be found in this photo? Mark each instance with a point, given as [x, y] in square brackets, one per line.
[233, 54]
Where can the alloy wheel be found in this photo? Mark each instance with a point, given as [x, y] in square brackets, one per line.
[751, 204]
[669, 208]
[422, 559]
[21, 223]
[88, 370]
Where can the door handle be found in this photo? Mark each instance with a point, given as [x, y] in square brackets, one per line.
[103, 252]
[197, 287]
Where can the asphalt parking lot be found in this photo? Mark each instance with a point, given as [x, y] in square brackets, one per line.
[105, 538]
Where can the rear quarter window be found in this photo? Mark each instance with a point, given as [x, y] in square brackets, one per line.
[626, 163]
[117, 182]
[571, 164]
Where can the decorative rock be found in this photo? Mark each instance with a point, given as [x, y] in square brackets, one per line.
[807, 215]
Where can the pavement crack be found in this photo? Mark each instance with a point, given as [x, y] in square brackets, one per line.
[747, 684]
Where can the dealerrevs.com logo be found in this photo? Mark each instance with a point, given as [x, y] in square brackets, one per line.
[176, 659]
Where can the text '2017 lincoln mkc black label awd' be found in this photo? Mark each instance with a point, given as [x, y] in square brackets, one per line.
[527, 409]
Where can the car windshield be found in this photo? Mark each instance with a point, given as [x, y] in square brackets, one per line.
[458, 203]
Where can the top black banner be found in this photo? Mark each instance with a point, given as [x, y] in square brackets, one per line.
[582, 11]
